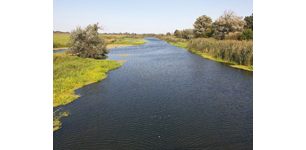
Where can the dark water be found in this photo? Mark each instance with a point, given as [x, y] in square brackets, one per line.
[163, 97]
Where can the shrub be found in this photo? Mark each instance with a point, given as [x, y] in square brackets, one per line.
[247, 34]
[87, 43]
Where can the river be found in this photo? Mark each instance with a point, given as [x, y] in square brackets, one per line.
[163, 97]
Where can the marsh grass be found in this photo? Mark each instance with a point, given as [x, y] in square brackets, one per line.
[56, 119]
[60, 40]
[73, 72]
[237, 53]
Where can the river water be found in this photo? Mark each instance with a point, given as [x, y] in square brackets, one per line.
[163, 97]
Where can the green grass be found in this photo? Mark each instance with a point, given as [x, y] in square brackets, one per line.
[180, 44]
[237, 53]
[126, 41]
[60, 40]
[73, 72]
[56, 119]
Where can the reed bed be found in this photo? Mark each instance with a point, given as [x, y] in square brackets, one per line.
[236, 52]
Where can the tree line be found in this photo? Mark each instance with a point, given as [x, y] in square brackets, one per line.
[227, 26]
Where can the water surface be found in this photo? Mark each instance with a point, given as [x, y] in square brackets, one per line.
[163, 97]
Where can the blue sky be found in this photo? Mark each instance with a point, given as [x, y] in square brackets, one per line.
[141, 16]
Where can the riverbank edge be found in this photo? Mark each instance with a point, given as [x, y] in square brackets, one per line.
[109, 46]
[71, 96]
[208, 56]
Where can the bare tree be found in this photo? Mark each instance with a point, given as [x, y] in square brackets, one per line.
[201, 25]
[227, 23]
[87, 43]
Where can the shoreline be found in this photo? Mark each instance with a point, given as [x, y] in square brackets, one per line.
[208, 56]
[108, 46]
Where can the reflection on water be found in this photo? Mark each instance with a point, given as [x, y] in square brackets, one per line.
[162, 97]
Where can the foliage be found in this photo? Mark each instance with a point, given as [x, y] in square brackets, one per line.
[87, 43]
[249, 22]
[178, 33]
[239, 52]
[247, 34]
[228, 23]
[233, 36]
[201, 25]
[187, 33]
[56, 119]
[72, 72]
[168, 33]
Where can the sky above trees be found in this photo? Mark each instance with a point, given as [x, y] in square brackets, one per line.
[141, 16]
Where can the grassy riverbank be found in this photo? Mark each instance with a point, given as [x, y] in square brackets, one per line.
[237, 53]
[60, 40]
[73, 72]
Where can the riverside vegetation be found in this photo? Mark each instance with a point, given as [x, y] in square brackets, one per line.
[237, 53]
[60, 40]
[229, 39]
[73, 72]
[82, 65]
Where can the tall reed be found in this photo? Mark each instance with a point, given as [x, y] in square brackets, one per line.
[240, 52]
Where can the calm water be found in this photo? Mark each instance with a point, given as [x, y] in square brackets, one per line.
[163, 97]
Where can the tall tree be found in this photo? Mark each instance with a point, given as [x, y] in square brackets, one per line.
[87, 43]
[249, 22]
[178, 33]
[201, 25]
[227, 23]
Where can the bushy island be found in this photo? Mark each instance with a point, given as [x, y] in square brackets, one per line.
[80, 66]
[229, 39]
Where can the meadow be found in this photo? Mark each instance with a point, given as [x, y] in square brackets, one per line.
[60, 40]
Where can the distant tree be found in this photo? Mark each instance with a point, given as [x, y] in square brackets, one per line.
[249, 22]
[87, 43]
[178, 33]
[187, 33]
[168, 33]
[201, 25]
[228, 23]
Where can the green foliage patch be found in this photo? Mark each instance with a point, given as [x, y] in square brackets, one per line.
[73, 72]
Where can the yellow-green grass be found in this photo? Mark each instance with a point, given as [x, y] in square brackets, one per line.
[218, 49]
[60, 40]
[56, 119]
[233, 64]
[128, 41]
[180, 44]
[73, 72]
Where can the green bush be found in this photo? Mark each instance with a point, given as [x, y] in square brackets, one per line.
[247, 34]
[87, 43]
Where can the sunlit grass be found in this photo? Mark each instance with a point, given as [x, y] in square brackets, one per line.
[56, 123]
[73, 72]
[237, 53]
[180, 44]
[60, 40]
